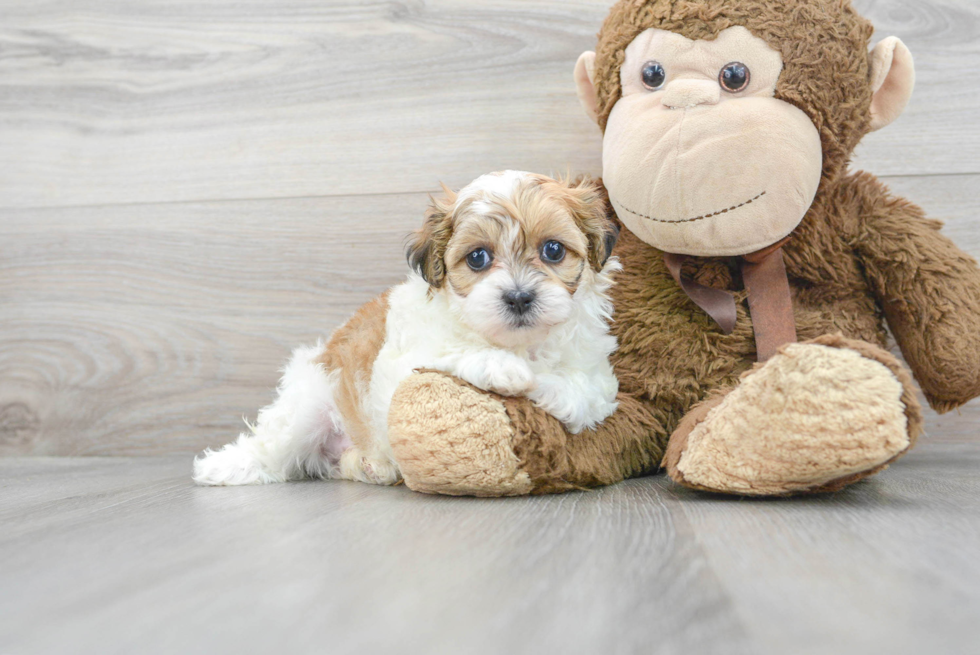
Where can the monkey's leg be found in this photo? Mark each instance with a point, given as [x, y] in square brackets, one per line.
[816, 417]
[451, 438]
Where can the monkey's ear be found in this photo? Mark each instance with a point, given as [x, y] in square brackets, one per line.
[892, 81]
[427, 246]
[584, 77]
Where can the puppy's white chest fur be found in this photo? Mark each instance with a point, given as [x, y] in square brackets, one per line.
[419, 333]
[567, 374]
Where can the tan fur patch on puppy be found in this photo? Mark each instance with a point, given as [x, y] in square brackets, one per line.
[351, 352]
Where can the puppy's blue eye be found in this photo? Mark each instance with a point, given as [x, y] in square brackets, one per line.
[552, 252]
[479, 259]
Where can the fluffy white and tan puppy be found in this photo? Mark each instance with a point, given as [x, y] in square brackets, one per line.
[509, 293]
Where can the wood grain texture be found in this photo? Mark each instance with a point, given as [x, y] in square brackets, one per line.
[125, 555]
[155, 328]
[135, 319]
[108, 102]
[104, 101]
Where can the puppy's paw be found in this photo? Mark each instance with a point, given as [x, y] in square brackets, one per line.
[571, 417]
[231, 466]
[579, 402]
[499, 371]
[354, 466]
[510, 378]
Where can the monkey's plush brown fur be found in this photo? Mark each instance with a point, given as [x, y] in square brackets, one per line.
[861, 260]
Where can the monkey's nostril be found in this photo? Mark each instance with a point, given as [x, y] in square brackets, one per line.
[519, 302]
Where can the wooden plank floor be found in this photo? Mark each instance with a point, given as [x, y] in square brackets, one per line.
[125, 555]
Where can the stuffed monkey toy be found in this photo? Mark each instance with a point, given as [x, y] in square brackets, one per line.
[759, 277]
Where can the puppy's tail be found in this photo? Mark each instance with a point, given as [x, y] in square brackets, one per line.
[234, 464]
[300, 435]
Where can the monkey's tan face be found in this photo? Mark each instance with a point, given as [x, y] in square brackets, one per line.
[699, 157]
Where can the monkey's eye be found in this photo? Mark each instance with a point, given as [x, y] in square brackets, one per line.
[654, 75]
[552, 252]
[734, 77]
[479, 259]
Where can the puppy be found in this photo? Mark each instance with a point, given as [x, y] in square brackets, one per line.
[508, 292]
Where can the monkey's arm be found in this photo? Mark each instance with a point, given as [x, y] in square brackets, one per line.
[929, 290]
[451, 438]
[628, 443]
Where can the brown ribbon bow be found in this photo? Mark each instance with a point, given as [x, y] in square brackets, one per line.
[770, 301]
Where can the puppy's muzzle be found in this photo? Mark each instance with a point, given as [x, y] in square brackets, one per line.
[519, 303]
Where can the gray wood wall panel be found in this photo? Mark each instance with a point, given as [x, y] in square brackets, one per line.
[153, 328]
[188, 190]
[122, 102]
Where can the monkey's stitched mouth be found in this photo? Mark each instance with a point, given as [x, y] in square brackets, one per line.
[690, 220]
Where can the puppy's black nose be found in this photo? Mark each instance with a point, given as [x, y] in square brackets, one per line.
[519, 302]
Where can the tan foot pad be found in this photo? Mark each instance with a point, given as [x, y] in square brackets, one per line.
[449, 438]
[812, 415]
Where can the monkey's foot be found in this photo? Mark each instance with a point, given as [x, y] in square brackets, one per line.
[816, 417]
[449, 438]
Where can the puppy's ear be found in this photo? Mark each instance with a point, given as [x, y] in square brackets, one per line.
[427, 245]
[589, 204]
[612, 236]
